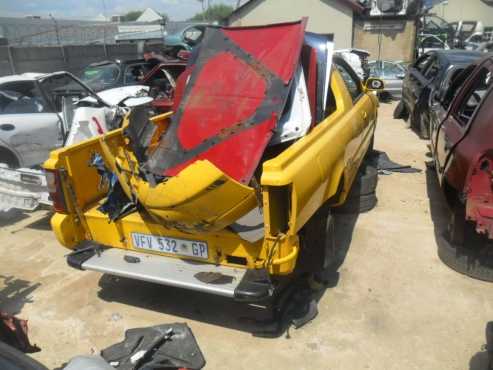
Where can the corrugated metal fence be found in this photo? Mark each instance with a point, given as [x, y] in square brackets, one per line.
[72, 58]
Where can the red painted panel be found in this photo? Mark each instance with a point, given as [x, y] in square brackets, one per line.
[215, 103]
[276, 46]
[235, 155]
[228, 110]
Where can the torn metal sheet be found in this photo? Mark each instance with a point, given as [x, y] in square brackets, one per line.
[235, 96]
[324, 47]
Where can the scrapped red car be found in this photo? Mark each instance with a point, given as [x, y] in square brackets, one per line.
[160, 76]
[462, 148]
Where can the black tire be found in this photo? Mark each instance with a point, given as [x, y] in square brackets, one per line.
[360, 204]
[318, 247]
[11, 358]
[473, 262]
[6, 156]
[424, 126]
[365, 183]
[457, 226]
[401, 111]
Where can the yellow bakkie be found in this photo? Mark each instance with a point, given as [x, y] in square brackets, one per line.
[202, 229]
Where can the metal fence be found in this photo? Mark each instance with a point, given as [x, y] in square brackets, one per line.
[72, 58]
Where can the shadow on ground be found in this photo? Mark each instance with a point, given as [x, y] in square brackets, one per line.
[15, 293]
[211, 309]
[438, 205]
[11, 217]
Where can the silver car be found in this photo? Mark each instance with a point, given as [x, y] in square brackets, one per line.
[392, 74]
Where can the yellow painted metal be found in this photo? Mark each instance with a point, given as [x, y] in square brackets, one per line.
[325, 161]
[201, 201]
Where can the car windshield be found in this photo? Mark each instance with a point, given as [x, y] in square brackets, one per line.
[435, 23]
[62, 86]
[98, 77]
[21, 97]
[468, 28]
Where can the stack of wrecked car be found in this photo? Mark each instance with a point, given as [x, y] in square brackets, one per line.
[42, 112]
[269, 131]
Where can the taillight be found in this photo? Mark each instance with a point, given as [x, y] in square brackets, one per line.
[53, 181]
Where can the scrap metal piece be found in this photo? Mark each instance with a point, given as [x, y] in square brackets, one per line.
[170, 346]
[235, 94]
[13, 331]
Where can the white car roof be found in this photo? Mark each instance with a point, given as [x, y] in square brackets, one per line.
[21, 77]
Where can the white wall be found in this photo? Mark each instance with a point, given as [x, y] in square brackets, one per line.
[325, 16]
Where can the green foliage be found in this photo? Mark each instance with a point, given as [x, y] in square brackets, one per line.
[213, 13]
[131, 16]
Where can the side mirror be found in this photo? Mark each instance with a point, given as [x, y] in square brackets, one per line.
[401, 76]
[374, 84]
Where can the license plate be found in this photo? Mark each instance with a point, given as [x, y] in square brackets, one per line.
[181, 247]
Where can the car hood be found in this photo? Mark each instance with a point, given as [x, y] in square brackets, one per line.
[116, 95]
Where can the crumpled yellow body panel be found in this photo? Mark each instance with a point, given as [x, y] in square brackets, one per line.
[200, 198]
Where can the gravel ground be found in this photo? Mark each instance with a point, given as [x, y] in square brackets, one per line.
[395, 305]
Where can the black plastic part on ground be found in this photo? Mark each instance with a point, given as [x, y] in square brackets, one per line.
[170, 346]
[382, 162]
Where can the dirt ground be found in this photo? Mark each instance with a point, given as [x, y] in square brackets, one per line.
[395, 305]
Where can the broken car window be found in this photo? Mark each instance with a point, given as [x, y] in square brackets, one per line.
[135, 73]
[473, 99]
[351, 81]
[99, 76]
[20, 98]
[455, 85]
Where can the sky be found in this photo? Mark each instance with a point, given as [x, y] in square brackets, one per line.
[89, 9]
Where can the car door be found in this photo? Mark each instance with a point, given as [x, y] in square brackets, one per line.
[28, 125]
[359, 114]
[414, 82]
[442, 99]
[393, 75]
[461, 116]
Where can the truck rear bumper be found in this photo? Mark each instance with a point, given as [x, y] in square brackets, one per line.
[246, 285]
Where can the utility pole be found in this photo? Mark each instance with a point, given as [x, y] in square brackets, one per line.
[56, 30]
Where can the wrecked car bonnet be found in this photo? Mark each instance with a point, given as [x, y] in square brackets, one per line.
[239, 83]
[118, 94]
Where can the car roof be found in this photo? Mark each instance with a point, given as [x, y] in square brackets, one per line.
[458, 56]
[22, 77]
[117, 61]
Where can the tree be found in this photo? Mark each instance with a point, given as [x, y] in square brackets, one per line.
[131, 16]
[214, 13]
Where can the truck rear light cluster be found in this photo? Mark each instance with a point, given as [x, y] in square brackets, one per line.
[53, 181]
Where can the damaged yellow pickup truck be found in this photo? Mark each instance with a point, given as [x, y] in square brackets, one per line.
[235, 188]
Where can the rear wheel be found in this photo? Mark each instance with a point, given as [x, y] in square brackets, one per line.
[463, 250]
[7, 157]
[318, 247]
[424, 126]
[362, 196]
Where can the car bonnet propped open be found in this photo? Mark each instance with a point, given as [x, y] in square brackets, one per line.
[234, 97]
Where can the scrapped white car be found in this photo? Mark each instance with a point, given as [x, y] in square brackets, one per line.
[42, 112]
